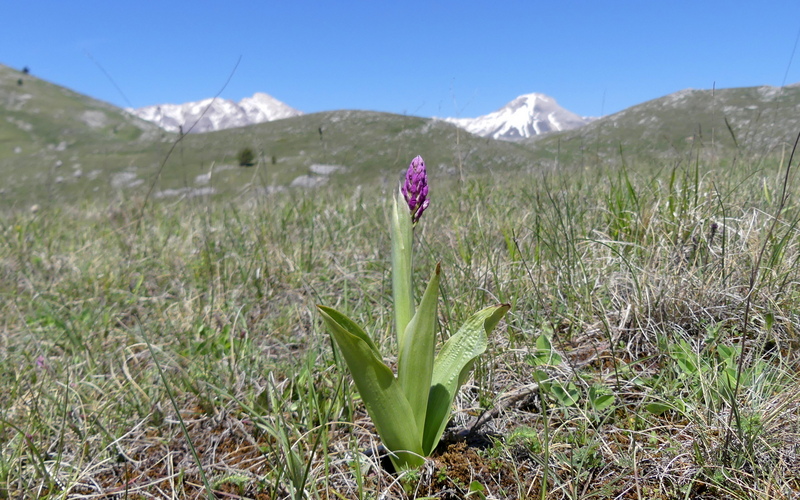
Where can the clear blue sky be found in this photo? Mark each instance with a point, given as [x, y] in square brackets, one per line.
[427, 58]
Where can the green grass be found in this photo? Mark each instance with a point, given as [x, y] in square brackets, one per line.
[126, 339]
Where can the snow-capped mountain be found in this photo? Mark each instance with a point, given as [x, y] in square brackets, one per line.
[526, 116]
[221, 114]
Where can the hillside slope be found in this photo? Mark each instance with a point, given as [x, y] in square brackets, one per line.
[367, 147]
[752, 121]
[38, 114]
[51, 136]
[59, 146]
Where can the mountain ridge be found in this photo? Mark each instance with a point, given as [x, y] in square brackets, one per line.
[213, 114]
[525, 116]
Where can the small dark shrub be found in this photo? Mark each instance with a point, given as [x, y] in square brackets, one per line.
[246, 157]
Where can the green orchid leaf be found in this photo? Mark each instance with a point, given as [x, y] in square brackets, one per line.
[451, 369]
[402, 239]
[349, 325]
[415, 360]
[379, 389]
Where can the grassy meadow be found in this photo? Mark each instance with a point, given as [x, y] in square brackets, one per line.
[173, 350]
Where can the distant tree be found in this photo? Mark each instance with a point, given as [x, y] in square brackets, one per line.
[26, 70]
[246, 157]
[19, 82]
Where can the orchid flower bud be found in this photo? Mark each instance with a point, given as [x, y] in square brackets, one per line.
[415, 188]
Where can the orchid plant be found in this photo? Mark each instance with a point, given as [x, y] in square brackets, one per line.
[410, 410]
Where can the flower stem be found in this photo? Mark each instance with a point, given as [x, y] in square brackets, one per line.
[402, 239]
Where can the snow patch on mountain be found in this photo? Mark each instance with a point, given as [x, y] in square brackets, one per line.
[526, 116]
[215, 114]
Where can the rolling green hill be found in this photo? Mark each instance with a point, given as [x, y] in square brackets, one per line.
[370, 146]
[39, 115]
[52, 138]
[57, 145]
[753, 122]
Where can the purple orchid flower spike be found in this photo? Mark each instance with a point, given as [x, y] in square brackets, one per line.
[415, 189]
